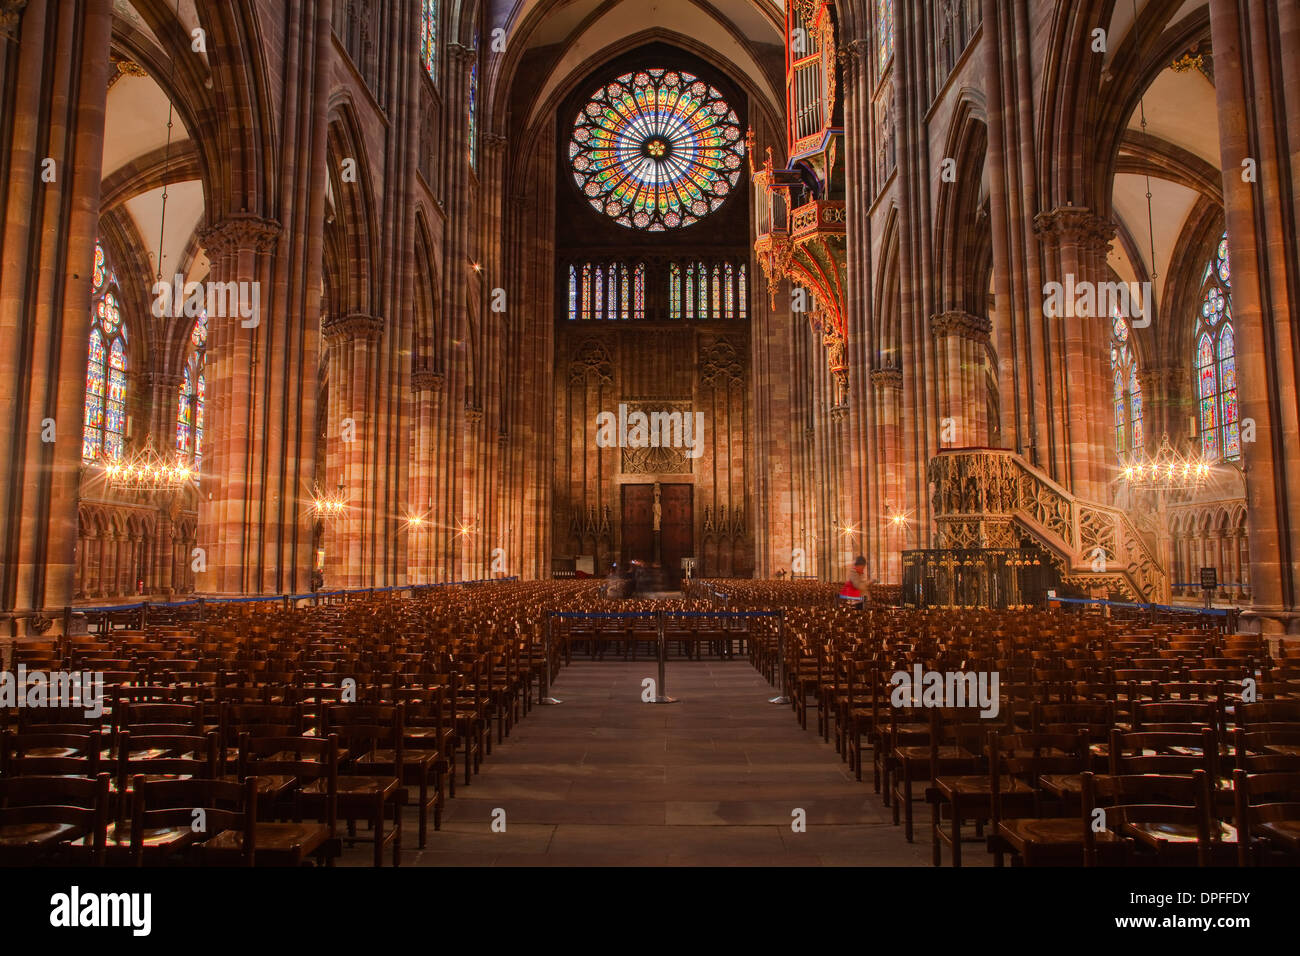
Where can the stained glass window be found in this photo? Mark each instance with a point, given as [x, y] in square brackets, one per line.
[656, 149]
[473, 115]
[609, 291]
[429, 38]
[1127, 396]
[103, 436]
[1216, 362]
[473, 105]
[189, 413]
[884, 33]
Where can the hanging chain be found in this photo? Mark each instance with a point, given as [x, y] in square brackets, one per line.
[162, 216]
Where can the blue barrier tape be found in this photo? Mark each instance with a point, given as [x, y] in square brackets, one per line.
[726, 614]
[602, 614]
[672, 614]
[192, 602]
[1217, 611]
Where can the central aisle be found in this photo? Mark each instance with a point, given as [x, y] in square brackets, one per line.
[606, 780]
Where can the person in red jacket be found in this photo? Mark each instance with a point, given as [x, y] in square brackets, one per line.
[856, 587]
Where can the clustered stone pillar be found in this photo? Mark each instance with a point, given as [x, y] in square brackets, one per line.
[233, 495]
[890, 536]
[54, 65]
[1080, 414]
[961, 346]
[1257, 84]
[353, 357]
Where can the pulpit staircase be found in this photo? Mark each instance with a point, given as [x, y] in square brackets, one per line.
[992, 498]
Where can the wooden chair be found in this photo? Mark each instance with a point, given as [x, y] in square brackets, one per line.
[953, 746]
[42, 818]
[1267, 816]
[370, 781]
[213, 821]
[307, 772]
[52, 754]
[1158, 819]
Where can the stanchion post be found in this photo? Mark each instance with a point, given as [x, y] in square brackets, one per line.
[783, 697]
[662, 641]
[545, 691]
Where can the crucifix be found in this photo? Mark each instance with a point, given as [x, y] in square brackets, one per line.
[658, 517]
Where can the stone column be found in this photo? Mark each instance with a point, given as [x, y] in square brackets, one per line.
[231, 508]
[353, 359]
[961, 344]
[1257, 84]
[1076, 367]
[886, 560]
[426, 387]
[54, 67]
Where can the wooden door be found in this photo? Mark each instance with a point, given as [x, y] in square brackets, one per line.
[677, 540]
[638, 524]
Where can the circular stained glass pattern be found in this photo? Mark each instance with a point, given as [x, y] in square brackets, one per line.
[656, 149]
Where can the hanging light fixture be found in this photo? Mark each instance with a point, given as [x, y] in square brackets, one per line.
[1167, 470]
[331, 505]
[144, 470]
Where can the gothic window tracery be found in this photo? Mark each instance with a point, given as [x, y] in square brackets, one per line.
[698, 290]
[104, 430]
[429, 38]
[884, 34]
[656, 149]
[1127, 390]
[607, 290]
[1216, 362]
[193, 398]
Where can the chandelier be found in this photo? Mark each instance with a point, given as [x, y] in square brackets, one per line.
[1166, 470]
[146, 470]
[333, 505]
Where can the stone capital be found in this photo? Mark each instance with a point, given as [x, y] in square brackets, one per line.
[461, 55]
[237, 233]
[494, 142]
[426, 380]
[155, 379]
[354, 327]
[883, 378]
[1074, 225]
[976, 328]
[11, 11]
[473, 414]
